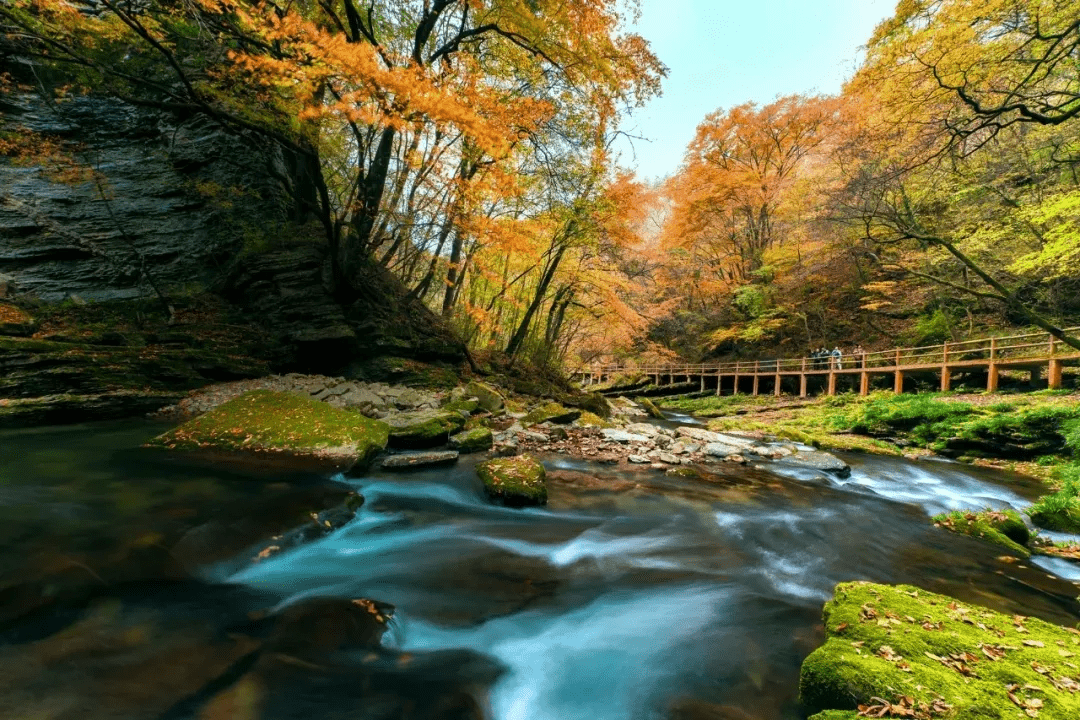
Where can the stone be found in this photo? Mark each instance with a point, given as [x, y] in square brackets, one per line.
[721, 450]
[1003, 527]
[489, 398]
[558, 433]
[470, 441]
[643, 429]
[360, 396]
[624, 437]
[551, 412]
[638, 459]
[506, 449]
[662, 440]
[279, 431]
[707, 436]
[670, 459]
[514, 481]
[427, 458]
[650, 408]
[818, 460]
[532, 436]
[422, 428]
[913, 648]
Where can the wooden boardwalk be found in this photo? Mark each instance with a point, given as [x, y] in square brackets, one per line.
[1030, 353]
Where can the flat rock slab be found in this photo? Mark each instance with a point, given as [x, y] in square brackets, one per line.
[707, 436]
[721, 449]
[622, 436]
[817, 460]
[407, 461]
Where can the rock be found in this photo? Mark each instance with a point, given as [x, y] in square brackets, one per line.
[670, 459]
[505, 449]
[707, 436]
[427, 458]
[514, 481]
[622, 436]
[913, 648]
[315, 627]
[532, 436]
[360, 396]
[487, 396]
[470, 441]
[465, 405]
[422, 428]
[639, 459]
[643, 429]
[552, 412]
[1003, 527]
[662, 440]
[558, 433]
[650, 408]
[721, 450]
[817, 460]
[278, 431]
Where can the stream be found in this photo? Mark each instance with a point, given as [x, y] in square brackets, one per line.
[631, 595]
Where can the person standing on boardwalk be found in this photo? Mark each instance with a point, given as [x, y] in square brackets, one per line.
[837, 358]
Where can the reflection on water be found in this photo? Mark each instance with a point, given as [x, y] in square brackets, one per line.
[631, 595]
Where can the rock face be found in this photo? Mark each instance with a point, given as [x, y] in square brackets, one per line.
[905, 652]
[514, 481]
[280, 431]
[177, 192]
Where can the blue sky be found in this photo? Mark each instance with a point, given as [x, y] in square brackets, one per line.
[721, 53]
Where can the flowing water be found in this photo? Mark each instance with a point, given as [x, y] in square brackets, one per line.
[630, 595]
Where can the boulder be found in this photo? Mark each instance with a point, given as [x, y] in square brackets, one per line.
[423, 428]
[279, 431]
[470, 441]
[817, 460]
[643, 429]
[707, 436]
[489, 398]
[514, 481]
[900, 651]
[410, 460]
[1003, 527]
[552, 412]
[721, 450]
[650, 407]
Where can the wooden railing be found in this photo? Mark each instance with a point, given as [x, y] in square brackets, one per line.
[1035, 346]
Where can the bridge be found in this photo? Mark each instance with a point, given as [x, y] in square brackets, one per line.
[1029, 353]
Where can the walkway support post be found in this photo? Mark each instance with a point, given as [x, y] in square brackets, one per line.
[832, 383]
[1053, 375]
[898, 382]
[946, 375]
[776, 387]
[992, 371]
[757, 376]
[735, 391]
[864, 383]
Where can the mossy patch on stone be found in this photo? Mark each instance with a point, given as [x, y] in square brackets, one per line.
[514, 481]
[489, 398]
[589, 419]
[468, 405]
[1003, 527]
[470, 441]
[297, 432]
[927, 656]
[551, 412]
[423, 428]
[650, 407]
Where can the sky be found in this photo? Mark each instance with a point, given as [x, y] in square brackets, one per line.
[722, 53]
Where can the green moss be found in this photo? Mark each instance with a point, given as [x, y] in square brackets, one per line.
[939, 657]
[470, 441]
[469, 405]
[1003, 527]
[489, 398]
[514, 481]
[267, 421]
[588, 419]
[650, 407]
[423, 428]
[551, 412]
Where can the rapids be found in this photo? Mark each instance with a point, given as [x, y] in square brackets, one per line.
[632, 594]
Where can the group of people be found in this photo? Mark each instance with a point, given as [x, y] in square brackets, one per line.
[825, 359]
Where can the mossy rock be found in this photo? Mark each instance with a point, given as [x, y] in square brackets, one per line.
[1061, 519]
[589, 419]
[468, 405]
[474, 440]
[1003, 527]
[515, 481]
[277, 430]
[650, 407]
[929, 655]
[489, 398]
[423, 428]
[551, 412]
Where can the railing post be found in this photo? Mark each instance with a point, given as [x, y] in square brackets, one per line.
[896, 361]
[992, 370]
[945, 353]
[1053, 343]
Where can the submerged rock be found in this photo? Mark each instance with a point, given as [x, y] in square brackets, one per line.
[278, 431]
[407, 461]
[423, 428]
[470, 441]
[514, 481]
[899, 651]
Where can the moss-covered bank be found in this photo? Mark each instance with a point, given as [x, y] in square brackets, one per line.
[282, 429]
[899, 651]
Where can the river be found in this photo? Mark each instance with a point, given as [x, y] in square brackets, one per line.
[632, 594]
